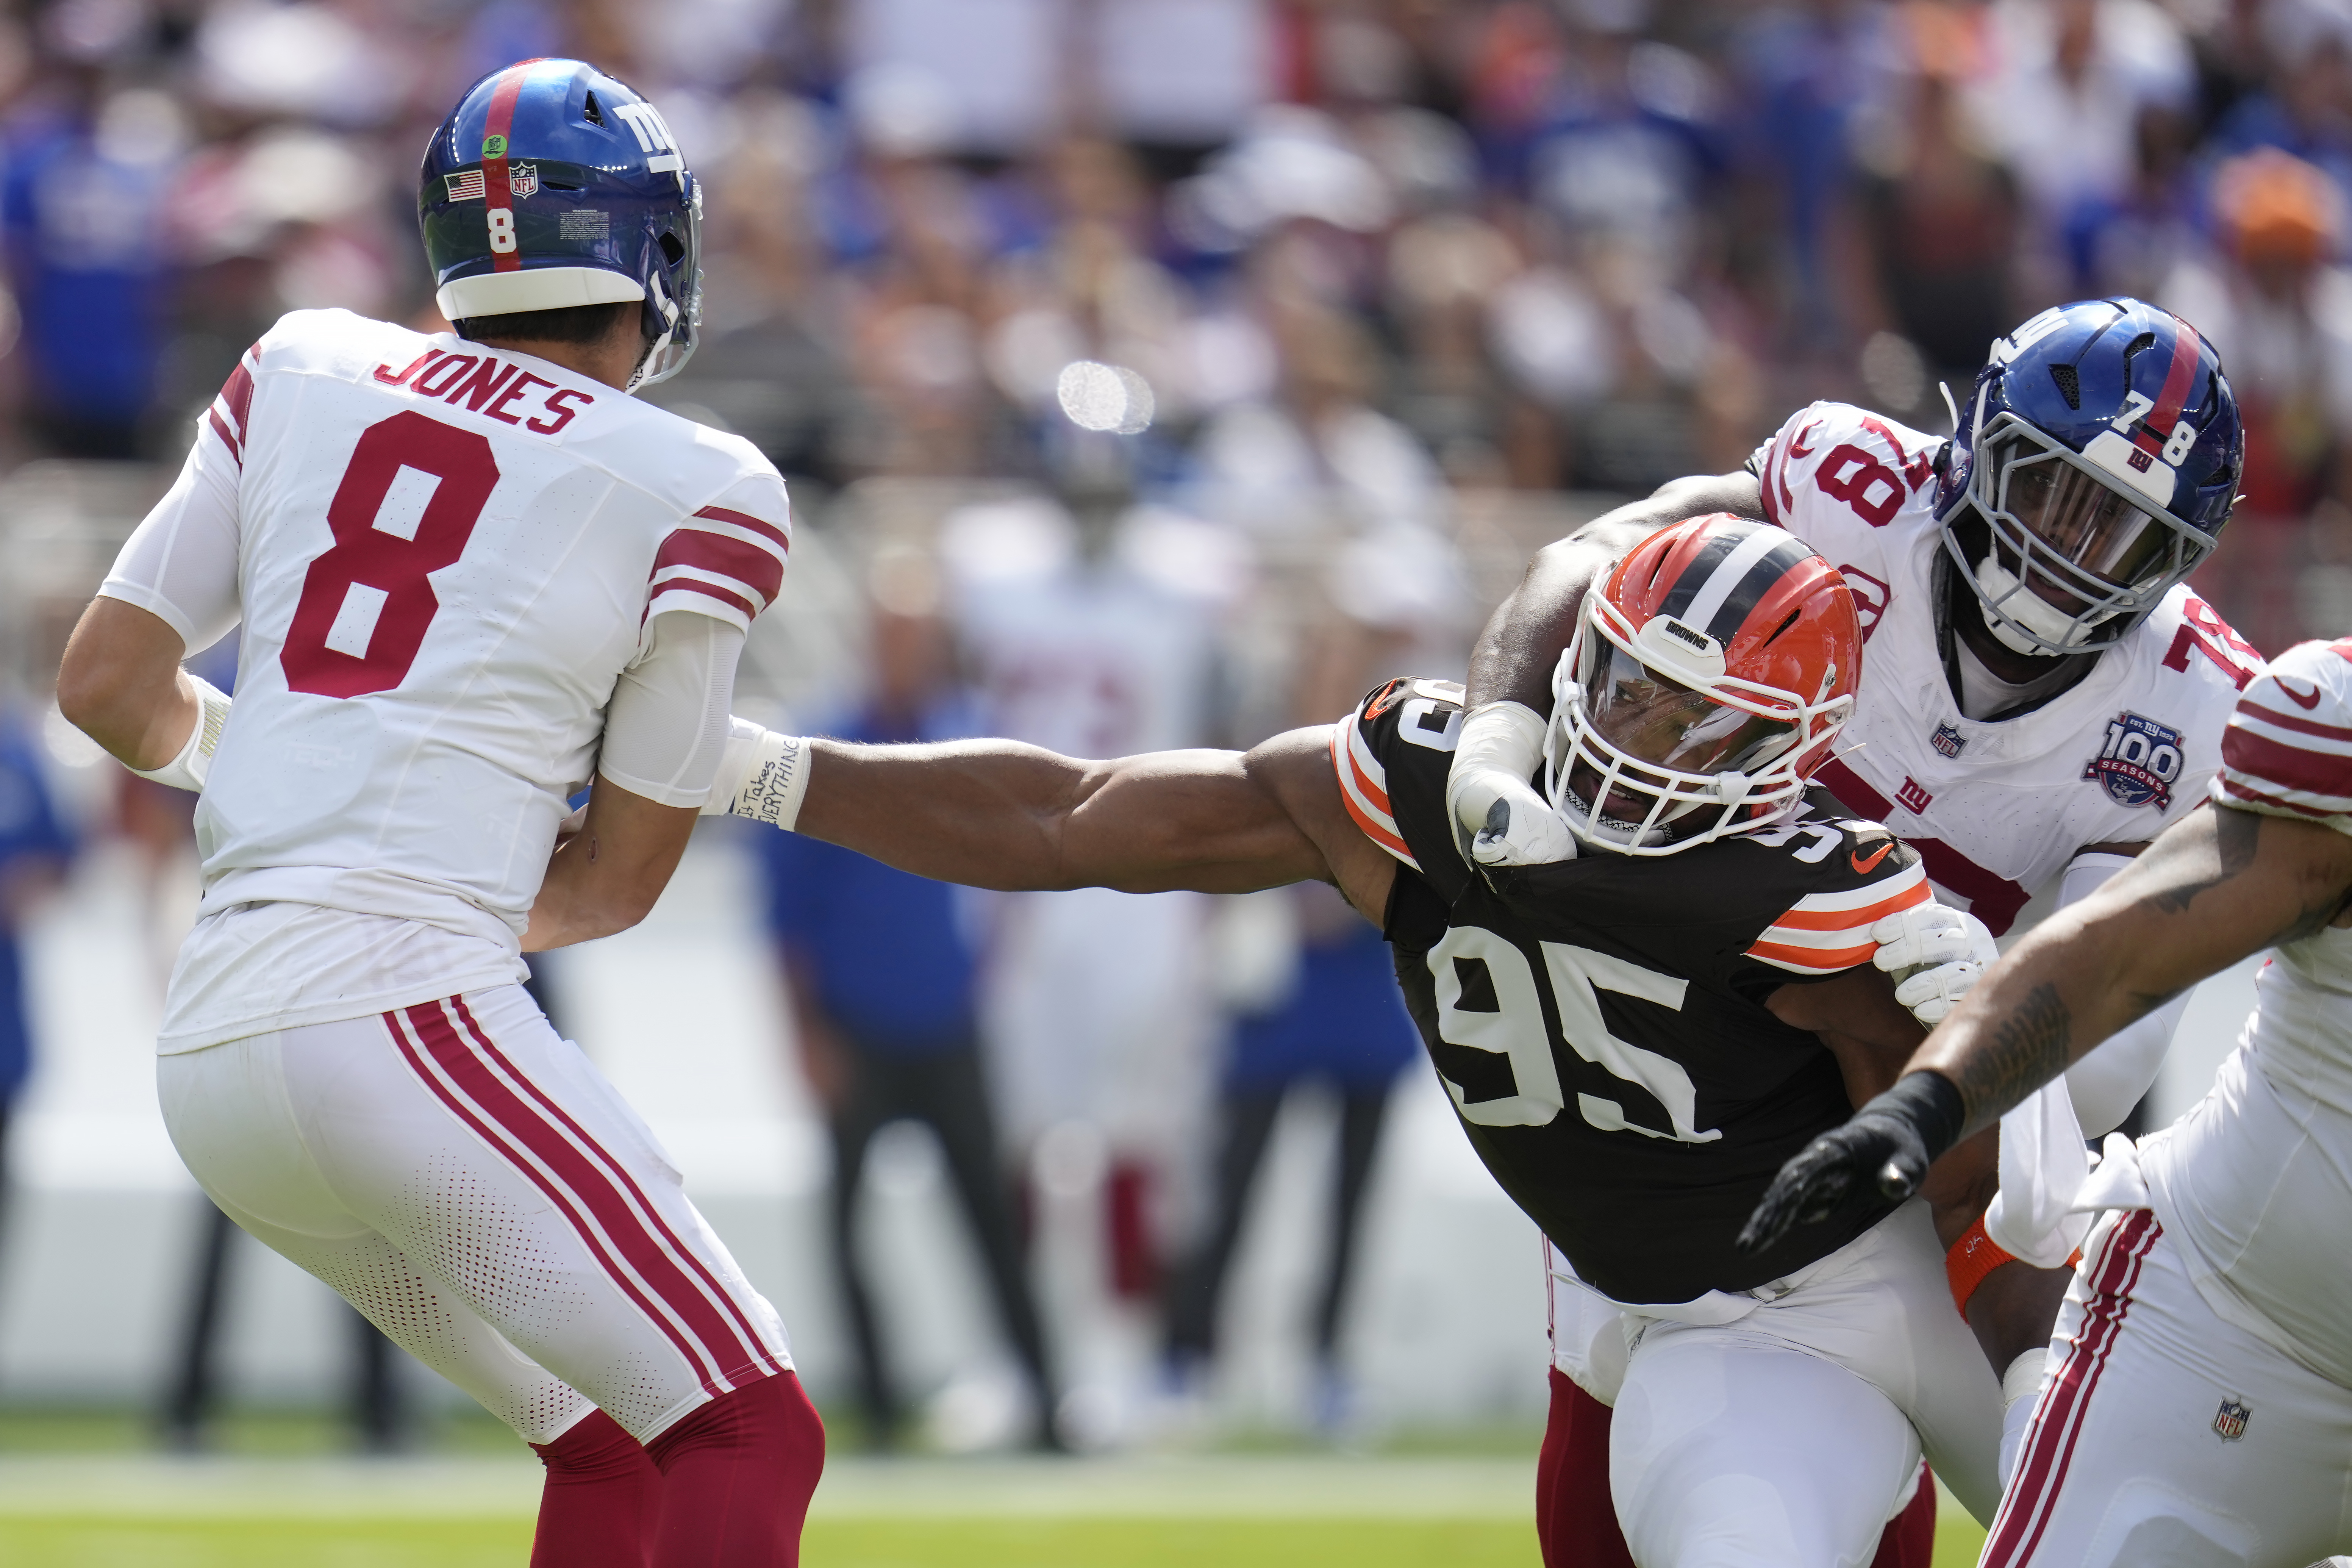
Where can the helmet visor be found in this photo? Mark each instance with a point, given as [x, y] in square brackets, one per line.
[1656, 719]
[2084, 522]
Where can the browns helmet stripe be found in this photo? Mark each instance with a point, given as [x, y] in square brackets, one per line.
[1728, 576]
[1780, 558]
[1699, 568]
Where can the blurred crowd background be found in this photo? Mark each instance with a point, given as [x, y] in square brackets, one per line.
[1161, 373]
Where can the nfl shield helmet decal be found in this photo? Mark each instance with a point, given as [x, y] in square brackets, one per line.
[1947, 740]
[2229, 1421]
[522, 179]
[2138, 762]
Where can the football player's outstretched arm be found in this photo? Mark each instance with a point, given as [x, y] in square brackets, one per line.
[1874, 1037]
[2218, 885]
[997, 814]
[2221, 884]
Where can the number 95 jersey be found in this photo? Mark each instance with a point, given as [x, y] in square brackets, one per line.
[444, 556]
[1599, 1024]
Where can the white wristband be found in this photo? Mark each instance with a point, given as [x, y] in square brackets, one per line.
[762, 775]
[189, 770]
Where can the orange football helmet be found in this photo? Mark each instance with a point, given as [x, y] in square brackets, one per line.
[1707, 677]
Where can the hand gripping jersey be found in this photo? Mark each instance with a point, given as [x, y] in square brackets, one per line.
[444, 556]
[1996, 808]
[1599, 1024]
[2256, 1181]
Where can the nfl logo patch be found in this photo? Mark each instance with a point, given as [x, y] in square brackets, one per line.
[522, 179]
[2229, 1421]
[1947, 740]
[2139, 762]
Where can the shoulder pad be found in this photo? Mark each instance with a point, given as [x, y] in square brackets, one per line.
[2288, 749]
[1844, 456]
[2198, 642]
[1420, 712]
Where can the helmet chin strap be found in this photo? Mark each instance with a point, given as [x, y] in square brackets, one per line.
[657, 296]
[2020, 605]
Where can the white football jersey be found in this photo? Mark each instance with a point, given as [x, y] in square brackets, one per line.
[2256, 1181]
[1995, 808]
[443, 557]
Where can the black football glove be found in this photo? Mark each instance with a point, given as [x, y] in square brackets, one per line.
[1891, 1142]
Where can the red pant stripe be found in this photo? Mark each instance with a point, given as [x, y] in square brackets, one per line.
[2057, 1424]
[748, 1337]
[463, 1080]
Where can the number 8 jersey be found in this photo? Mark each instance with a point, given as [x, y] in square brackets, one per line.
[444, 556]
[1599, 1024]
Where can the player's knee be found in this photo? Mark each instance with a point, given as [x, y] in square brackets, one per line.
[594, 1449]
[772, 1418]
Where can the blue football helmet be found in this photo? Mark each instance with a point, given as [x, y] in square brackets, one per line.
[2094, 468]
[551, 184]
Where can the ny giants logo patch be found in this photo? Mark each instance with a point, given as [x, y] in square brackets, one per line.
[1947, 740]
[2139, 762]
[2229, 1421]
[1911, 798]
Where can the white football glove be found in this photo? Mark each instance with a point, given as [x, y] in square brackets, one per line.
[1937, 953]
[1498, 818]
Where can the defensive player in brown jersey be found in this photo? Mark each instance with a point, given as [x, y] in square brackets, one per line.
[1633, 1038]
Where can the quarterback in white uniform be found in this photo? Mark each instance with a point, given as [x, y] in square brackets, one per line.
[472, 574]
[2014, 744]
[2199, 1403]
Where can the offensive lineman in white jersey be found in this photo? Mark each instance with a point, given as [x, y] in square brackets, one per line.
[2040, 696]
[471, 575]
[2199, 1403]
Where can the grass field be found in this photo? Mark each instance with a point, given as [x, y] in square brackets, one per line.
[83, 1490]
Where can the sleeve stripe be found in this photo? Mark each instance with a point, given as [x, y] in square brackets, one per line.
[2224, 785]
[2251, 710]
[229, 410]
[677, 587]
[238, 392]
[1826, 933]
[757, 570]
[1813, 960]
[774, 535]
[1371, 776]
[2264, 761]
[1377, 823]
[1869, 896]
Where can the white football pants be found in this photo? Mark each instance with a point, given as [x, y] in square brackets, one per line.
[469, 1181]
[1789, 1435]
[2166, 1436]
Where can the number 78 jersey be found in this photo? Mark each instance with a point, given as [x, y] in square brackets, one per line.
[1599, 1024]
[444, 557]
[1996, 807]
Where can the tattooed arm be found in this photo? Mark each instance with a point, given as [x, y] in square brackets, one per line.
[2221, 883]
